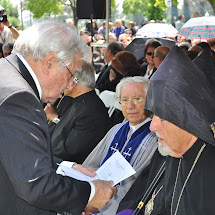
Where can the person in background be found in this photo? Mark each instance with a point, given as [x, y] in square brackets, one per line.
[111, 26]
[180, 22]
[123, 23]
[103, 81]
[102, 29]
[44, 59]
[7, 49]
[125, 39]
[159, 55]
[119, 28]
[148, 67]
[7, 32]
[211, 43]
[196, 14]
[112, 37]
[80, 120]
[132, 28]
[70, 22]
[184, 46]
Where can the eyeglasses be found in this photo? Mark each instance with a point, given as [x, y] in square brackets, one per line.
[69, 71]
[149, 53]
[135, 100]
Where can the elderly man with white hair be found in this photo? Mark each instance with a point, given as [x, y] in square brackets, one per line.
[45, 58]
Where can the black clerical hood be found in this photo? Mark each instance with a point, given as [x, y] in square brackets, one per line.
[206, 63]
[180, 93]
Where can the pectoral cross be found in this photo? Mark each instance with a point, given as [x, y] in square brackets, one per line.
[114, 149]
[127, 153]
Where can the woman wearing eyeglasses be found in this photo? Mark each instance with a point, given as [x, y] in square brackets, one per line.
[148, 67]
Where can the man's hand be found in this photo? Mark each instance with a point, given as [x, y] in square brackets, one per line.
[89, 210]
[84, 169]
[103, 193]
[51, 112]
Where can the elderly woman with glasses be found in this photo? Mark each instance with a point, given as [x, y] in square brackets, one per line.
[148, 67]
[132, 138]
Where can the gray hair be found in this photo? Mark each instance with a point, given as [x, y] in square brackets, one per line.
[86, 75]
[131, 80]
[47, 37]
[7, 46]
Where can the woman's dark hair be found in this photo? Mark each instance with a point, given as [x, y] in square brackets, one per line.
[125, 62]
[151, 44]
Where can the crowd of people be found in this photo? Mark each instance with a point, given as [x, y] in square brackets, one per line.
[52, 114]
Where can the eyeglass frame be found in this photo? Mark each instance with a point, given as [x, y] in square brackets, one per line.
[69, 72]
[125, 103]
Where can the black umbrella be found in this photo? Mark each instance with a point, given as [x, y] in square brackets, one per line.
[137, 45]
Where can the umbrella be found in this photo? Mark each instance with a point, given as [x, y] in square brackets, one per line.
[157, 30]
[199, 28]
[137, 45]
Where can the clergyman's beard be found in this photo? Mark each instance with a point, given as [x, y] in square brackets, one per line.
[165, 150]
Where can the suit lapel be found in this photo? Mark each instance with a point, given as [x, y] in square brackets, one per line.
[20, 67]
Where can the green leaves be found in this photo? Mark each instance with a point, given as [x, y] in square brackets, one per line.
[153, 9]
[40, 8]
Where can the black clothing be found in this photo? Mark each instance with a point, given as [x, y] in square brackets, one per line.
[29, 184]
[134, 31]
[83, 124]
[103, 78]
[136, 192]
[198, 195]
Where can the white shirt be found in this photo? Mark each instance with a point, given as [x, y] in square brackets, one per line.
[6, 36]
[148, 72]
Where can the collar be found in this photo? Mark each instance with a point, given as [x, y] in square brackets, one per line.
[31, 73]
[84, 96]
[191, 153]
[135, 127]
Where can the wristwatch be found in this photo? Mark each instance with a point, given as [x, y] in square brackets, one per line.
[56, 120]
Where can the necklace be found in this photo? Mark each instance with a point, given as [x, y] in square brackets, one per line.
[188, 176]
[150, 204]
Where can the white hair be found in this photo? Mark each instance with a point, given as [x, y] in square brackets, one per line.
[118, 21]
[45, 37]
[131, 80]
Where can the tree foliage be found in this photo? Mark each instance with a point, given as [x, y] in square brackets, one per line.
[40, 8]
[134, 7]
[153, 9]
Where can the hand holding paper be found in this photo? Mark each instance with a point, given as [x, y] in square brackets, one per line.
[116, 168]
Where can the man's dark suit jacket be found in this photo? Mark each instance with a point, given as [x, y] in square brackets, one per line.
[103, 78]
[82, 126]
[29, 184]
[103, 82]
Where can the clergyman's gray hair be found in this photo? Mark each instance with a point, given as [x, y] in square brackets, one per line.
[86, 75]
[45, 37]
[131, 80]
